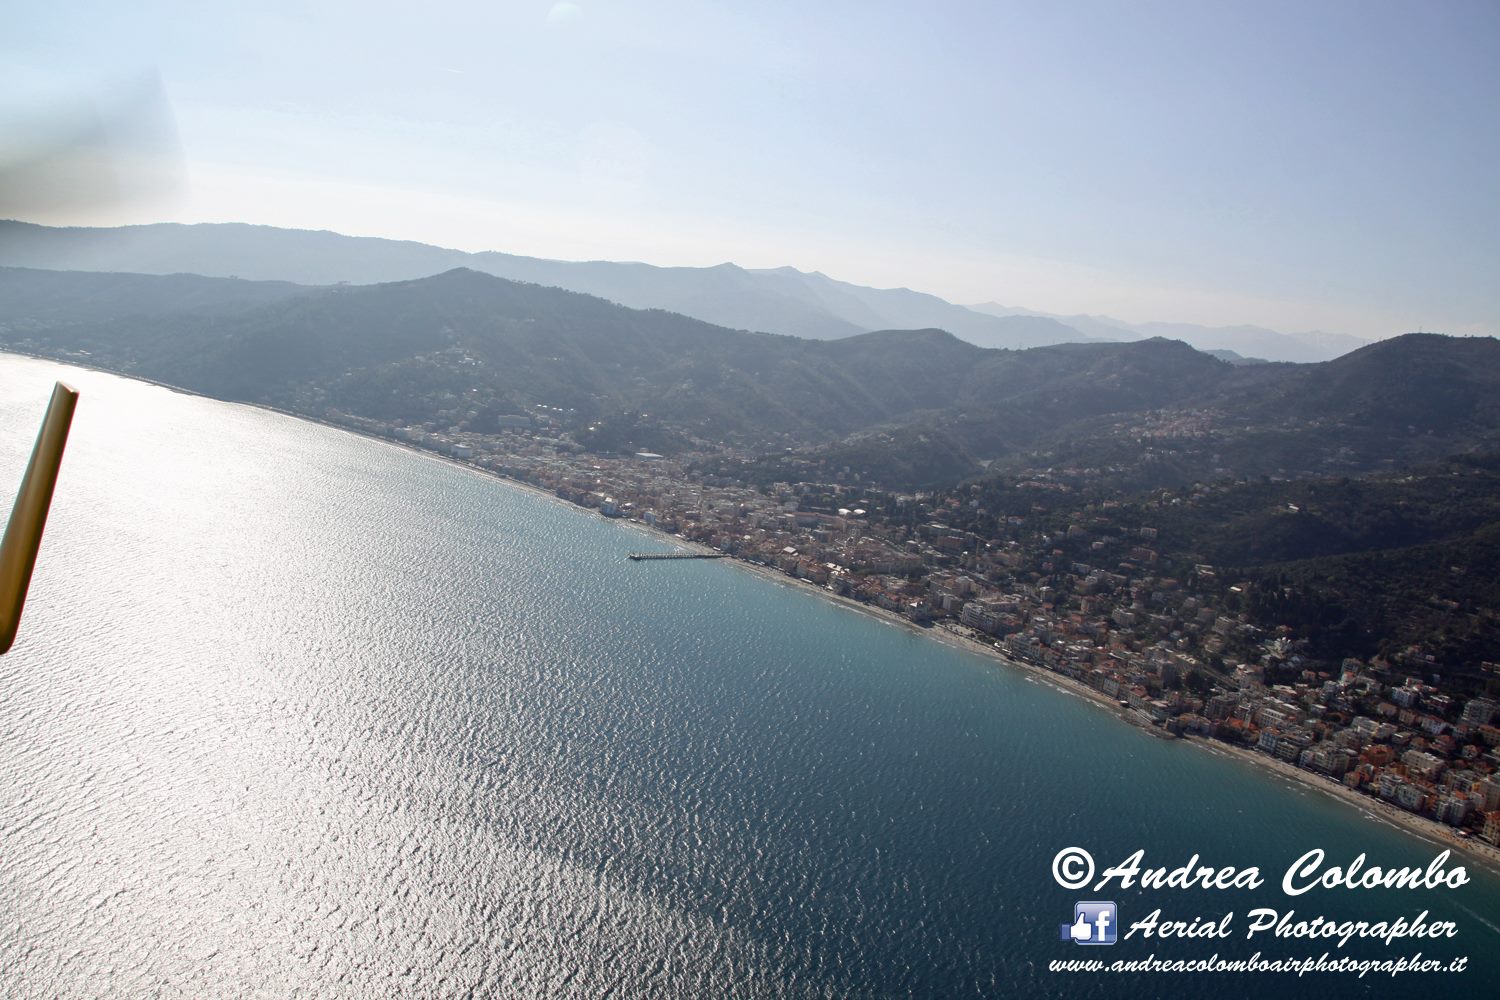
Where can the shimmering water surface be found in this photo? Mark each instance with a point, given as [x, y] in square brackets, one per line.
[298, 713]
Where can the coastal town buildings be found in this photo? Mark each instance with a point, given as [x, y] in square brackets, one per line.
[1157, 640]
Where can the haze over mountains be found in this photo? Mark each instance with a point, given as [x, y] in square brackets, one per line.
[896, 387]
[1245, 341]
[779, 300]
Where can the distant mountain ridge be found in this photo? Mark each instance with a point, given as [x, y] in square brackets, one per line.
[1250, 342]
[772, 300]
[780, 300]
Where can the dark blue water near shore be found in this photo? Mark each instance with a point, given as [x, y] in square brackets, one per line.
[299, 713]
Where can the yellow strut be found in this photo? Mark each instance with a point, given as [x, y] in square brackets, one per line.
[23, 535]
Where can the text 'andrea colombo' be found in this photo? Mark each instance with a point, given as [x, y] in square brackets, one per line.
[1307, 872]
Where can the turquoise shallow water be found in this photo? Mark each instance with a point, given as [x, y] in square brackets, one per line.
[298, 713]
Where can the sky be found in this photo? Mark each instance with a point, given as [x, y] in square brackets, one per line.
[1331, 165]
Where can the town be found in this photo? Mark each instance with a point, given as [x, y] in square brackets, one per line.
[1157, 642]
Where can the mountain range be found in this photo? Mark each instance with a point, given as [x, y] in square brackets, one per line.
[1351, 500]
[906, 408]
[779, 300]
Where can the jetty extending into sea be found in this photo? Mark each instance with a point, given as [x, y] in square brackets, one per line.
[638, 556]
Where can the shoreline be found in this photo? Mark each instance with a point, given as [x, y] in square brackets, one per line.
[953, 640]
[1373, 808]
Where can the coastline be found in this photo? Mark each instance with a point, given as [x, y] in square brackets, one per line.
[1061, 682]
[1373, 808]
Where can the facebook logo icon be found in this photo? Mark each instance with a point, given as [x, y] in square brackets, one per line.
[1093, 923]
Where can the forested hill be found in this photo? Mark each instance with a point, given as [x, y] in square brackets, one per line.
[905, 408]
[390, 350]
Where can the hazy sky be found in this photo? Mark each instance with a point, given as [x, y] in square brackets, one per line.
[1326, 164]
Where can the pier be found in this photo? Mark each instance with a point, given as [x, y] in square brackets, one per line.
[638, 556]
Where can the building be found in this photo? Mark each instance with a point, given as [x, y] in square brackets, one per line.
[1478, 712]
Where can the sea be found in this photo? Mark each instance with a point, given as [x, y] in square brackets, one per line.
[298, 713]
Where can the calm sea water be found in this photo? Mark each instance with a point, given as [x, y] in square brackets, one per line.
[295, 713]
